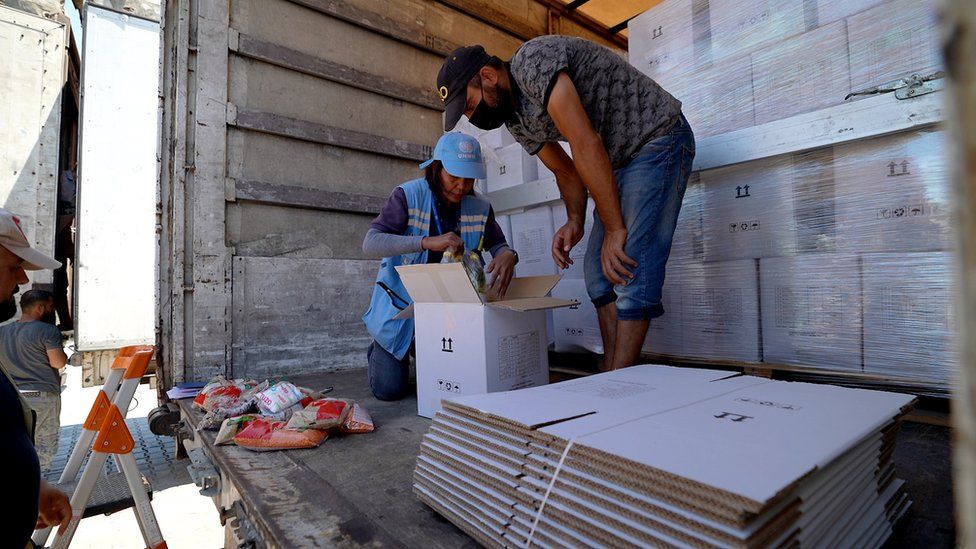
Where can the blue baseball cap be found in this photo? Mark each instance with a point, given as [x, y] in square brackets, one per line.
[460, 154]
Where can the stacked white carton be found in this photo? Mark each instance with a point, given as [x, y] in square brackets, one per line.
[659, 456]
[826, 225]
[725, 59]
[909, 317]
[532, 232]
[811, 311]
[711, 312]
[892, 194]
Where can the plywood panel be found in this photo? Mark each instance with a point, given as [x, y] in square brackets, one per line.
[258, 86]
[263, 157]
[299, 315]
[305, 30]
[274, 231]
[426, 24]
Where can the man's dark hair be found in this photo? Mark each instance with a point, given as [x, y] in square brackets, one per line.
[33, 297]
[494, 63]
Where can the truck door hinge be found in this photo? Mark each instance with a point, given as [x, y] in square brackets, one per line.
[203, 473]
[906, 88]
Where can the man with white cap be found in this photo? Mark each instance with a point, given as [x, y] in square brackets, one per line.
[423, 219]
[34, 503]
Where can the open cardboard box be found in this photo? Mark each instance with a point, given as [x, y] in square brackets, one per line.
[467, 345]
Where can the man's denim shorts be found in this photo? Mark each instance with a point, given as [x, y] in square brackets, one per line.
[651, 188]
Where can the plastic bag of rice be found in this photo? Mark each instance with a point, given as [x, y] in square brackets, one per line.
[263, 435]
[325, 413]
[358, 421]
[231, 426]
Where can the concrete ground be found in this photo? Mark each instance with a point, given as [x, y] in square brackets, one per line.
[187, 519]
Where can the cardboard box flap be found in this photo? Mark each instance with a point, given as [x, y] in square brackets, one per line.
[533, 303]
[531, 286]
[405, 313]
[438, 283]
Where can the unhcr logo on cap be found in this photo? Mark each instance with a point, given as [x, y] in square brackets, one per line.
[466, 149]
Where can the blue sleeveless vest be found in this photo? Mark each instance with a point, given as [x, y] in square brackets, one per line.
[396, 335]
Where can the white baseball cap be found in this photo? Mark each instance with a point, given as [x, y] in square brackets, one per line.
[12, 237]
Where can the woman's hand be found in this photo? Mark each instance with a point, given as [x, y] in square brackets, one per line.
[502, 268]
[444, 242]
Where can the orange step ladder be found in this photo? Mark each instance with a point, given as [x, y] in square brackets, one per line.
[104, 433]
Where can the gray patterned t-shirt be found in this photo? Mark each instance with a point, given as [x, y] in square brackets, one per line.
[626, 107]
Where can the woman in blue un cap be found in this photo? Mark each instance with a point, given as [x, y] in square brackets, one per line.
[421, 220]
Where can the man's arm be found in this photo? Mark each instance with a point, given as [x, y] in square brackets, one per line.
[573, 193]
[593, 165]
[57, 358]
[568, 180]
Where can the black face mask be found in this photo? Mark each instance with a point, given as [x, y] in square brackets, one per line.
[487, 117]
[8, 309]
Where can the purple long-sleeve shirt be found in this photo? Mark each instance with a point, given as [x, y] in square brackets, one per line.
[386, 238]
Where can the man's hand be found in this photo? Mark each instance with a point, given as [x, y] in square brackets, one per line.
[501, 268]
[444, 242]
[53, 508]
[614, 259]
[563, 241]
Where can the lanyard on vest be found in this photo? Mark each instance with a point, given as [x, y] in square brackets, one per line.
[437, 218]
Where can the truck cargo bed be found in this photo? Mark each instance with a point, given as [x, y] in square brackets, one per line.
[355, 490]
[351, 490]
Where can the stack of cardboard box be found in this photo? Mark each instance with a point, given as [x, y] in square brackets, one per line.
[825, 227]
[659, 456]
[739, 64]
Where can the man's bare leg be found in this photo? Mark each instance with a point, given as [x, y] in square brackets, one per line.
[630, 336]
[607, 315]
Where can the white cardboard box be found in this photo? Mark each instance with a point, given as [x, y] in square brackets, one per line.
[811, 311]
[805, 73]
[578, 252]
[662, 39]
[893, 194]
[893, 40]
[910, 326]
[497, 138]
[718, 431]
[665, 334]
[717, 99]
[688, 242]
[542, 172]
[512, 166]
[829, 11]
[719, 309]
[505, 222]
[742, 27]
[748, 210]
[465, 346]
[532, 236]
[576, 328]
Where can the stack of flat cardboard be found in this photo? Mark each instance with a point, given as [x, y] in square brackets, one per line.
[661, 456]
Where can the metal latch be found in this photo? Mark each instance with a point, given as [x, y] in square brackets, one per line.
[203, 473]
[907, 88]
